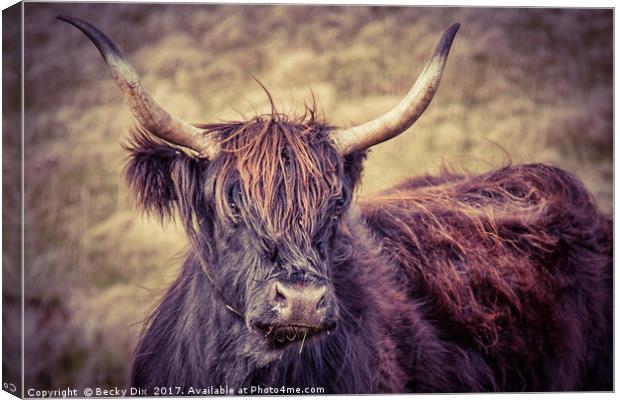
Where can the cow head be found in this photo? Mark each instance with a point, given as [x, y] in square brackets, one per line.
[265, 201]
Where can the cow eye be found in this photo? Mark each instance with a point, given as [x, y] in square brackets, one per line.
[339, 204]
[234, 208]
[233, 197]
[272, 253]
[338, 208]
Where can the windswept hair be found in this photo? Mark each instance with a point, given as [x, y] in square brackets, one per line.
[286, 166]
[494, 253]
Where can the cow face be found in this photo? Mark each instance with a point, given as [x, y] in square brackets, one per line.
[265, 217]
[264, 201]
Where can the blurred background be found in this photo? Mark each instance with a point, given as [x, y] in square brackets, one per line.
[521, 85]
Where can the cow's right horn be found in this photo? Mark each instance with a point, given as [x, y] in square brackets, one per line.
[401, 117]
[150, 115]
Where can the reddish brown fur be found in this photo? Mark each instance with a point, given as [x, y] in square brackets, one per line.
[260, 152]
[521, 249]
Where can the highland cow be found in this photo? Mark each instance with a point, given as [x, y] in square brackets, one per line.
[449, 283]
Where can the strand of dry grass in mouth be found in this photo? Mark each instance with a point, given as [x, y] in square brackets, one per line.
[303, 341]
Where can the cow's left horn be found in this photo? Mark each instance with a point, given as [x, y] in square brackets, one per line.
[150, 115]
[401, 117]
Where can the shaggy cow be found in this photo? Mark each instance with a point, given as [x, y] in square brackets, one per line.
[497, 282]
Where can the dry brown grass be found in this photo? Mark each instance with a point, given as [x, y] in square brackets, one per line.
[531, 85]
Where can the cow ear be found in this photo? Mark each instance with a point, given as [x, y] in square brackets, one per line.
[154, 171]
[353, 167]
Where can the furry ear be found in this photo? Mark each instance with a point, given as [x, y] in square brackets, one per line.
[154, 171]
[353, 167]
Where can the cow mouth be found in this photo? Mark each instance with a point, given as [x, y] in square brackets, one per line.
[280, 336]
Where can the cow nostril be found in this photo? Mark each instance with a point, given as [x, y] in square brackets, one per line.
[321, 303]
[279, 296]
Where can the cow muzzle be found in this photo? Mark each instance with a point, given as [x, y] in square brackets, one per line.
[296, 312]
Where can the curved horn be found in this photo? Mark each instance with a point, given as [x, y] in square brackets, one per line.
[150, 115]
[401, 117]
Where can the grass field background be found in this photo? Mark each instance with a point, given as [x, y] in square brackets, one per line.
[520, 85]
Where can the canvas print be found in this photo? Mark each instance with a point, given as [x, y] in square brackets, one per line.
[204, 199]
